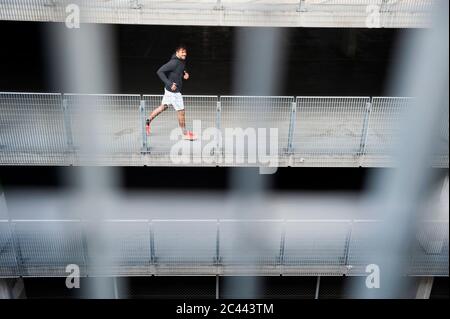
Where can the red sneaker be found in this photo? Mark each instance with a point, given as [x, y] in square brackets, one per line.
[147, 126]
[189, 136]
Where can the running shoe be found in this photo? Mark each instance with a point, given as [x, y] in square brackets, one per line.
[189, 136]
[147, 126]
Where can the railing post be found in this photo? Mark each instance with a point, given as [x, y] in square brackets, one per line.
[16, 248]
[144, 147]
[84, 243]
[291, 127]
[218, 5]
[152, 245]
[67, 123]
[217, 261]
[365, 129]
[282, 245]
[301, 6]
[218, 120]
[347, 248]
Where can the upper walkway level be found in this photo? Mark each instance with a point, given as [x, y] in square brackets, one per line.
[282, 13]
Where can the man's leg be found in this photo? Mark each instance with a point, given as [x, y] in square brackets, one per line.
[153, 115]
[157, 111]
[181, 120]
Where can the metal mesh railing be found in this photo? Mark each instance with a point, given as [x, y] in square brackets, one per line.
[118, 247]
[254, 117]
[32, 123]
[329, 127]
[74, 129]
[207, 247]
[113, 128]
[176, 250]
[430, 251]
[383, 127]
[8, 262]
[45, 248]
[362, 246]
[442, 147]
[307, 13]
[248, 246]
[316, 247]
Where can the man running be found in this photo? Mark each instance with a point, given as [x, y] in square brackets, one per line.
[172, 74]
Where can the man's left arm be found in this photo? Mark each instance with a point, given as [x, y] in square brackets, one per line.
[185, 75]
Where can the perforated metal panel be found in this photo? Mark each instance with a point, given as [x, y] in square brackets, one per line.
[114, 125]
[328, 130]
[186, 244]
[362, 246]
[250, 246]
[118, 247]
[45, 248]
[442, 147]
[243, 116]
[31, 128]
[8, 263]
[384, 128]
[430, 251]
[316, 247]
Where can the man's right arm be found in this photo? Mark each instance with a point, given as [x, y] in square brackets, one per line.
[169, 66]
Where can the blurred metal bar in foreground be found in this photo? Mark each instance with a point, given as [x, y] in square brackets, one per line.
[398, 194]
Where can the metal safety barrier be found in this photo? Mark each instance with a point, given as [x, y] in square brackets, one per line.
[34, 248]
[77, 129]
[288, 13]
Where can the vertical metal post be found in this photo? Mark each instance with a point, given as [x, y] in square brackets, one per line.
[365, 129]
[383, 6]
[18, 252]
[301, 6]
[10, 231]
[85, 248]
[347, 248]
[424, 288]
[282, 245]
[152, 246]
[5, 290]
[218, 5]
[316, 296]
[116, 291]
[143, 132]
[67, 123]
[218, 120]
[291, 126]
[217, 287]
[217, 245]
[12, 288]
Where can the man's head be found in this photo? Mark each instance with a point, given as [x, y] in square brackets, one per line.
[181, 52]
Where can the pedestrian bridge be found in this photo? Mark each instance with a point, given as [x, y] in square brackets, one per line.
[298, 131]
[286, 13]
[35, 248]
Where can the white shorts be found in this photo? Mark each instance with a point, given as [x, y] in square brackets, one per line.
[174, 99]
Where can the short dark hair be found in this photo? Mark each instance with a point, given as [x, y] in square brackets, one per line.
[180, 46]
